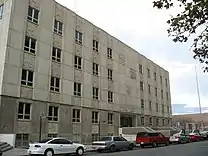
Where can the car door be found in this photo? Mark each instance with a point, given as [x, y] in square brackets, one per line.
[125, 142]
[56, 145]
[118, 142]
[67, 146]
[161, 138]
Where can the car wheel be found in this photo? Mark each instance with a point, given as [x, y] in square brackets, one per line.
[49, 152]
[142, 146]
[154, 144]
[80, 151]
[131, 146]
[112, 148]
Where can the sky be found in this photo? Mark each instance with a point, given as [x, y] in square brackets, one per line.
[138, 24]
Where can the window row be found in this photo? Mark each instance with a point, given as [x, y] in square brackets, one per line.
[156, 107]
[150, 121]
[24, 113]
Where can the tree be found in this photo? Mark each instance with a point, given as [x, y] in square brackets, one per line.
[193, 17]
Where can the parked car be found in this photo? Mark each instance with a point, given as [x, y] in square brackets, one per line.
[151, 138]
[179, 138]
[1, 153]
[50, 147]
[112, 143]
[196, 137]
[204, 134]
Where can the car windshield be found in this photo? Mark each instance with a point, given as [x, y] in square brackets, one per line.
[106, 139]
[44, 141]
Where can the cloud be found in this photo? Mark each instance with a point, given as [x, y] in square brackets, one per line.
[143, 28]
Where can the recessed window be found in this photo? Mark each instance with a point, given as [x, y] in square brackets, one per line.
[148, 73]
[33, 14]
[110, 74]
[168, 109]
[78, 37]
[55, 84]
[56, 54]
[150, 105]
[58, 27]
[95, 45]
[155, 91]
[157, 107]
[52, 135]
[24, 110]
[77, 62]
[161, 79]
[167, 95]
[149, 89]
[95, 117]
[166, 82]
[163, 122]
[155, 76]
[150, 121]
[53, 113]
[142, 121]
[157, 122]
[95, 69]
[109, 53]
[76, 115]
[110, 118]
[142, 104]
[95, 137]
[162, 94]
[1, 11]
[110, 96]
[27, 78]
[77, 89]
[163, 108]
[141, 86]
[95, 93]
[140, 69]
[30, 44]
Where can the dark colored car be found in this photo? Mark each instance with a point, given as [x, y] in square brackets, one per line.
[151, 138]
[1, 153]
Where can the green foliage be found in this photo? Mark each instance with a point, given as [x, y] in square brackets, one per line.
[181, 27]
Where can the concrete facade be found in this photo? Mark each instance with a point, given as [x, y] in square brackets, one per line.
[122, 78]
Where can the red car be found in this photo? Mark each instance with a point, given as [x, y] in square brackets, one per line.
[151, 138]
[195, 137]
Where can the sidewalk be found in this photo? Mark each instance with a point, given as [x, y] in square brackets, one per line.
[23, 152]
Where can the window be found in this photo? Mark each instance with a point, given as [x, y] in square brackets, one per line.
[76, 115]
[142, 104]
[56, 54]
[157, 107]
[150, 105]
[163, 108]
[95, 45]
[155, 76]
[155, 91]
[148, 73]
[110, 74]
[162, 94]
[55, 83]
[161, 79]
[58, 26]
[24, 111]
[33, 14]
[77, 62]
[150, 121]
[110, 96]
[95, 70]
[140, 69]
[22, 140]
[27, 78]
[1, 11]
[94, 117]
[52, 136]
[110, 118]
[53, 113]
[109, 53]
[95, 93]
[149, 89]
[163, 122]
[141, 86]
[168, 109]
[95, 137]
[77, 89]
[30, 44]
[167, 95]
[157, 122]
[142, 121]
[166, 82]
[78, 37]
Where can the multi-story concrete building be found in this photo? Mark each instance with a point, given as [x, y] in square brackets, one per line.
[80, 79]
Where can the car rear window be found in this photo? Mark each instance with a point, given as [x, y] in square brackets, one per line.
[106, 139]
[44, 141]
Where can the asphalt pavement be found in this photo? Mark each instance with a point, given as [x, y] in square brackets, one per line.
[191, 149]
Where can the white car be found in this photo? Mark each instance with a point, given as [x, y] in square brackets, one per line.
[50, 147]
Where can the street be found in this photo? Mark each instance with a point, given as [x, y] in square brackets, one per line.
[191, 149]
